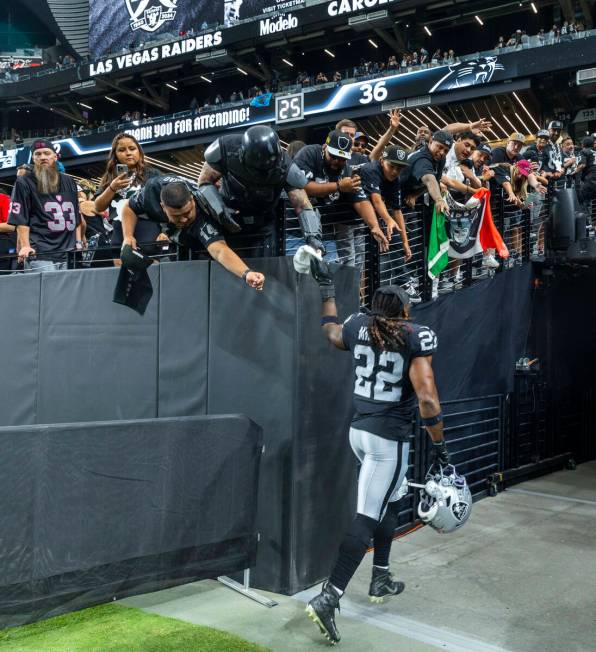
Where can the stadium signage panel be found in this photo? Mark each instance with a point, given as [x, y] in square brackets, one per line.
[150, 55]
[276, 25]
[339, 7]
[371, 93]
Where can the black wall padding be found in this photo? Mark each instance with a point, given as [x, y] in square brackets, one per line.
[268, 359]
[482, 331]
[97, 359]
[19, 325]
[101, 510]
[183, 338]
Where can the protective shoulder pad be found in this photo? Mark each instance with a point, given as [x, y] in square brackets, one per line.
[296, 177]
[213, 153]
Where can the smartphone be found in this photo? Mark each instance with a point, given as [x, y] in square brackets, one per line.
[121, 169]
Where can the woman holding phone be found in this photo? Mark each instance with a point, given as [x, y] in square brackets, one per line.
[125, 173]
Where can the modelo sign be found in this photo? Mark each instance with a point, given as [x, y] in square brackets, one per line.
[279, 24]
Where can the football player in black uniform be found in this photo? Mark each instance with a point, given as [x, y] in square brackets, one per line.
[253, 171]
[392, 368]
[45, 211]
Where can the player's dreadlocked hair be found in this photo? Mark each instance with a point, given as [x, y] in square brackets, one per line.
[389, 318]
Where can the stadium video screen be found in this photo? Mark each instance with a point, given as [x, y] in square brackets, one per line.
[118, 24]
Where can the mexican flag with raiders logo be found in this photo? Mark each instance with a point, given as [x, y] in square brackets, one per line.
[467, 231]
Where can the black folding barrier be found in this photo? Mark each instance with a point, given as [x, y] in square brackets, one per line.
[98, 511]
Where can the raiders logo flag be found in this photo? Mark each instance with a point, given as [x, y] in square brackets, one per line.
[469, 230]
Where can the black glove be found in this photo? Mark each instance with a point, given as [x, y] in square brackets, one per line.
[316, 243]
[439, 456]
[320, 271]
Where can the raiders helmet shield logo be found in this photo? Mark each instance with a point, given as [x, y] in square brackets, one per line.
[150, 15]
[468, 73]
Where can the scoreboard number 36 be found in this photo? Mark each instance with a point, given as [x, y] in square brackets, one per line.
[289, 108]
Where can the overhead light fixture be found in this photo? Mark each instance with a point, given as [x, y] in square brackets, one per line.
[206, 79]
[289, 63]
[373, 43]
[111, 99]
[171, 86]
[479, 20]
[329, 53]
[534, 8]
[524, 124]
[526, 110]
[85, 105]
[242, 71]
[427, 31]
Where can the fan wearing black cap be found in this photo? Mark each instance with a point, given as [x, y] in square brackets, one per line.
[425, 170]
[45, 212]
[392, 362]
[537, 153]
[254, 171]
[380, 182]
[333, 183]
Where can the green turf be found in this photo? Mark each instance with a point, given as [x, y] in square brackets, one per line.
[115, 628]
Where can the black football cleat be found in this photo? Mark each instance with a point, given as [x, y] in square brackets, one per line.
[383, 585]
[321, 610]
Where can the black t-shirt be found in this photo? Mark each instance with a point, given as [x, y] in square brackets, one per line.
[358, 160]
[532, 153]
[502, 173]
[146, 203]
[311, 160]
[251, 192]
[117, 203]
[384, 399]
[421, 163]
[374, 181]
[52, 219]
[587, 157]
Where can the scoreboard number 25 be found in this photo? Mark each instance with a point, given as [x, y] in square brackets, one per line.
[289, 108]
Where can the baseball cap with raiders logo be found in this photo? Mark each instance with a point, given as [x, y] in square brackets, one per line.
[395, 155]
[339, 144]
[555, 124]
[41, 143]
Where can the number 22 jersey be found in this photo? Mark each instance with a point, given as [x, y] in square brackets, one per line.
[52, 219]
[384, 399]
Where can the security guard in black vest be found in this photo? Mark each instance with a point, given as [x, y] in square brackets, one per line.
[253, 171]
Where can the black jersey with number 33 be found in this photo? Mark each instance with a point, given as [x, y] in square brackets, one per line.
[384, 399]
[52, 219]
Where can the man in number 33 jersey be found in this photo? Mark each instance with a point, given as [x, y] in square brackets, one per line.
[45, 211]
[392, 373]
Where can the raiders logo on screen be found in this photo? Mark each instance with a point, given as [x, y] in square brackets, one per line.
[150, 14]
[468, 73]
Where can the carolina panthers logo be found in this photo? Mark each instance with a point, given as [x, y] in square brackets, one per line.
[150, 15]
[468, 73]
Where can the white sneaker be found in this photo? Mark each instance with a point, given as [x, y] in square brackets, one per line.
[445, 285]
[490, 262]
